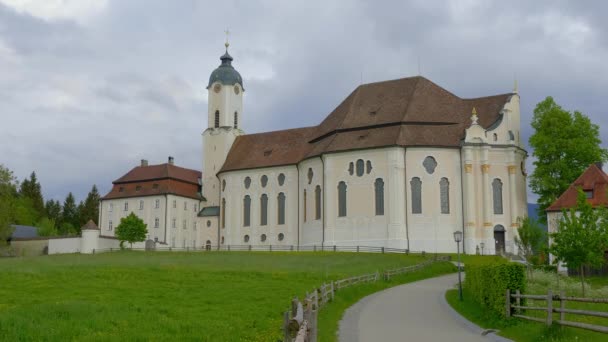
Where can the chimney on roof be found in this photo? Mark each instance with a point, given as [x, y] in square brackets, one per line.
[144, 162]
[171, 160]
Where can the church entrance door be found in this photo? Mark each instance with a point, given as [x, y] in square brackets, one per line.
[499, 239]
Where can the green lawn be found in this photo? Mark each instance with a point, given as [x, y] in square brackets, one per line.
[218, 296]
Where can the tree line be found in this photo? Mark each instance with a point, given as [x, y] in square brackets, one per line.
[22, 203]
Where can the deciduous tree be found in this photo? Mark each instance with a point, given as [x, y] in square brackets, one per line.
[8, 191]
[564, 144]
[581, 237]
[530, 241]
[131, 229]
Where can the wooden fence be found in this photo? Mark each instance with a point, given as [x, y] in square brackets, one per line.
[300, 323]
[389, 273]
[517, 310]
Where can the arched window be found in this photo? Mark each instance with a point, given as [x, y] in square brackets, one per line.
[247, 211]
[341, 199]
[236, 120]
[317, 202]
[281, 207]
[497, 190]
[246, 238]
[264, 210]
[217, 119]
[360, 167]
[223, 185]
[304, 205]
[416, 186]
[310, 174]
[223, 213]
[444, 194]
[351, 168]
[379, 191]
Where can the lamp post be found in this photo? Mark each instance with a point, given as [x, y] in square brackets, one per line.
[481, 244]
[458, 238]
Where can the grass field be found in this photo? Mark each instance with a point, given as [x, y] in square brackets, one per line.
[138, 296]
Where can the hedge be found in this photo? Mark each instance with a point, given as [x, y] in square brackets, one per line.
[488, 283]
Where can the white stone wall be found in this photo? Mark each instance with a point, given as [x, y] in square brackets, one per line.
[65, 245]
[431, 230]
[234, 194]
[311, 228]
[553, 219]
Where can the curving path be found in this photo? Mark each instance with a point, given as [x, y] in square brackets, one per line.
[411, 312]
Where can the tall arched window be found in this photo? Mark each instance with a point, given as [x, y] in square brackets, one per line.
[497, 190]
[416, 186]
[304, 205]
[444, 194]
[217, 119]
[223, 213]
[236, 120]
[281, 207]
[341, 199]
[318, 202]
[247, 211]
[360, 167]
[264, 210]
[379, 192]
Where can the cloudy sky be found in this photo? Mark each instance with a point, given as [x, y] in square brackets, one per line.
[90, 87]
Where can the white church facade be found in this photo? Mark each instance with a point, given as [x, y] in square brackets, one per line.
[399, 164]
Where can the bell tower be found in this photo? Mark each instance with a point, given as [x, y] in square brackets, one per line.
[225, 99]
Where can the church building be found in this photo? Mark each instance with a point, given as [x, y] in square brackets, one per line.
[400, 164]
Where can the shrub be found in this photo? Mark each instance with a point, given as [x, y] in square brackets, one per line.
[488, 284]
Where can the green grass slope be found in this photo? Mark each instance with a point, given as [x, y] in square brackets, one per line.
[138, 296]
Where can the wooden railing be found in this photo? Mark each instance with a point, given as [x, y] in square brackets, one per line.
[517, 310]
[389, 273]
[270, 248]
[300, 323]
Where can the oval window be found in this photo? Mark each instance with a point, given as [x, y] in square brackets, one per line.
[360, 167]
[281, 179]
[281, 236]
[263, 237]
[429, 164]
[247, 182]
[264, 181]
[246, 238]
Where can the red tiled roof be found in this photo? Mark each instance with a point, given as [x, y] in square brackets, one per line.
[157, 180]
[595, 179]
[405, 112]
[161, 171]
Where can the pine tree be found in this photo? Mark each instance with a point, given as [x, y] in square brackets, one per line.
[31, 189]
[69, 215]
[90, 207]
[52, 210]
[8, 192]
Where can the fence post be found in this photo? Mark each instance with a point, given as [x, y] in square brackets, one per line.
[508, 303]
[170, 249]
[286, 326]
[334, 248]
[249, 247]
[382, 250]
[228, 248]
[357, 249]
[111, 249]
[549, 307]
[562, 305]
[93, 250]
[270, 248]
[517, 301]
[291, 248]
[314, 248]
[294, 306]
[332, 290]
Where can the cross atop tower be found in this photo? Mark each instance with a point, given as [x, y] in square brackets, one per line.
[226, 44]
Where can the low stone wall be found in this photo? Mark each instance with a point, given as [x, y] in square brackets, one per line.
[30, 247]
[65, 245]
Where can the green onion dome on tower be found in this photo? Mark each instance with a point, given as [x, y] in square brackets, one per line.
[225, 73]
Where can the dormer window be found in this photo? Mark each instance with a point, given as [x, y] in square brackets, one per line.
[589, 194]
[121, 189]
[137, 188]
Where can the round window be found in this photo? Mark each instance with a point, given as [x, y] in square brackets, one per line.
[264, 181]
[247, 182]
[281, 179]
[208, 223]
[281, 236]
[263, 237]
[246, 238]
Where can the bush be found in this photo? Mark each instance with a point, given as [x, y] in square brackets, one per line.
[489, 283]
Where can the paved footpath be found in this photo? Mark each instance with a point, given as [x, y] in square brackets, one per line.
[411, 312]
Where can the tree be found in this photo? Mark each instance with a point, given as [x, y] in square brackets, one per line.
[52, 210]
[131, 229]
[564, 144]
[69, 215]
[90, 207]
[8, 192]
[31, 189]
[581, 237]
[46, 227]
[530, 241]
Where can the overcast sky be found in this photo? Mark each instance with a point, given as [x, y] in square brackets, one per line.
[90, 87]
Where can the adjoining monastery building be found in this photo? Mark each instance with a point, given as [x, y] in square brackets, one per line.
[401, 164]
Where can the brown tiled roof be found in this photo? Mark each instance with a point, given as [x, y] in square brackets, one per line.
[90, 225]
[405, 112]
[595, 179]
[161, 171]
[157, 180]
